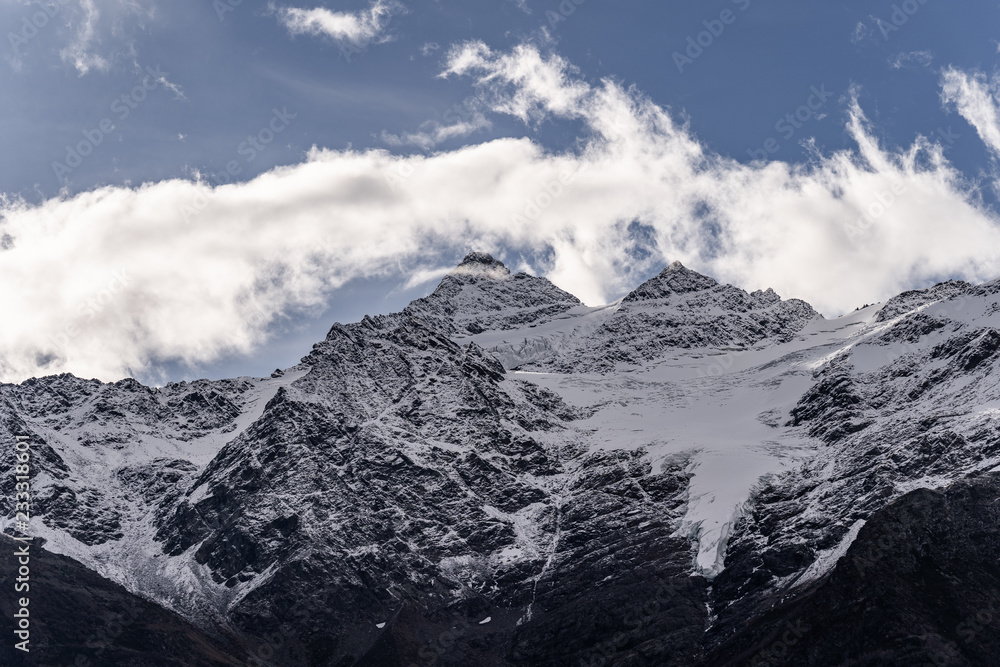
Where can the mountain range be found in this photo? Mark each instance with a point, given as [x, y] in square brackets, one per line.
[501, 475]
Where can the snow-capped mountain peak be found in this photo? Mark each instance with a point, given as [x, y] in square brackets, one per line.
[498, 450]
[482, 294]
[675, 279]
[481, 264]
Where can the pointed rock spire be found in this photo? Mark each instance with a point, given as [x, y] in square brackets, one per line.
[481, 263]
[675, 279]
[481, 294]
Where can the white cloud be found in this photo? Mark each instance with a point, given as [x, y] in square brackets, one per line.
[172, 87]
[460, 120]
[976, 99]
[433, 133]
[79, 52]
[423, 275]
[921, 58]
[91, 35]
[523, 83]
[852, 227]
[96, 42]
[357, 28]
[861, 31]
[522, 5]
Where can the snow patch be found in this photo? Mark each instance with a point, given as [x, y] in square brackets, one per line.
[829, 558]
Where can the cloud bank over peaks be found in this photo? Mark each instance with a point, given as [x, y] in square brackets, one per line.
[117, 280]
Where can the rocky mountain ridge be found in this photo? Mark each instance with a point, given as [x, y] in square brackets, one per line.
[468, 480]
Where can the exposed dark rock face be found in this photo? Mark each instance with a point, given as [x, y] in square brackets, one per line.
[912, 300]
[919, 586]
[482, 294]
[80, 618]
[424, 507]
[832, 408]
[683, 309]
[499, 475]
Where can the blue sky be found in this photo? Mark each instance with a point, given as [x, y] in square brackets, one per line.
[232, 70]
[155, 91]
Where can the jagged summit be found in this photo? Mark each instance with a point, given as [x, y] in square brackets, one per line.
[477, 265]
[675, 279]
[499, 459]
[476, 259]
[481, 293]
[681, 308]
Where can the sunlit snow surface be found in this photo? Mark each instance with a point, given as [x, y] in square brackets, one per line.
[137, 561]
[724, 411]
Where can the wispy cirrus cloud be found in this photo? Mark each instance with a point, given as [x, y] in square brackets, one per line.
[522, 5]
[918, 58]
[80, 52]
[860, 33]
[977, 99]
[92, 35]
[433, 132]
